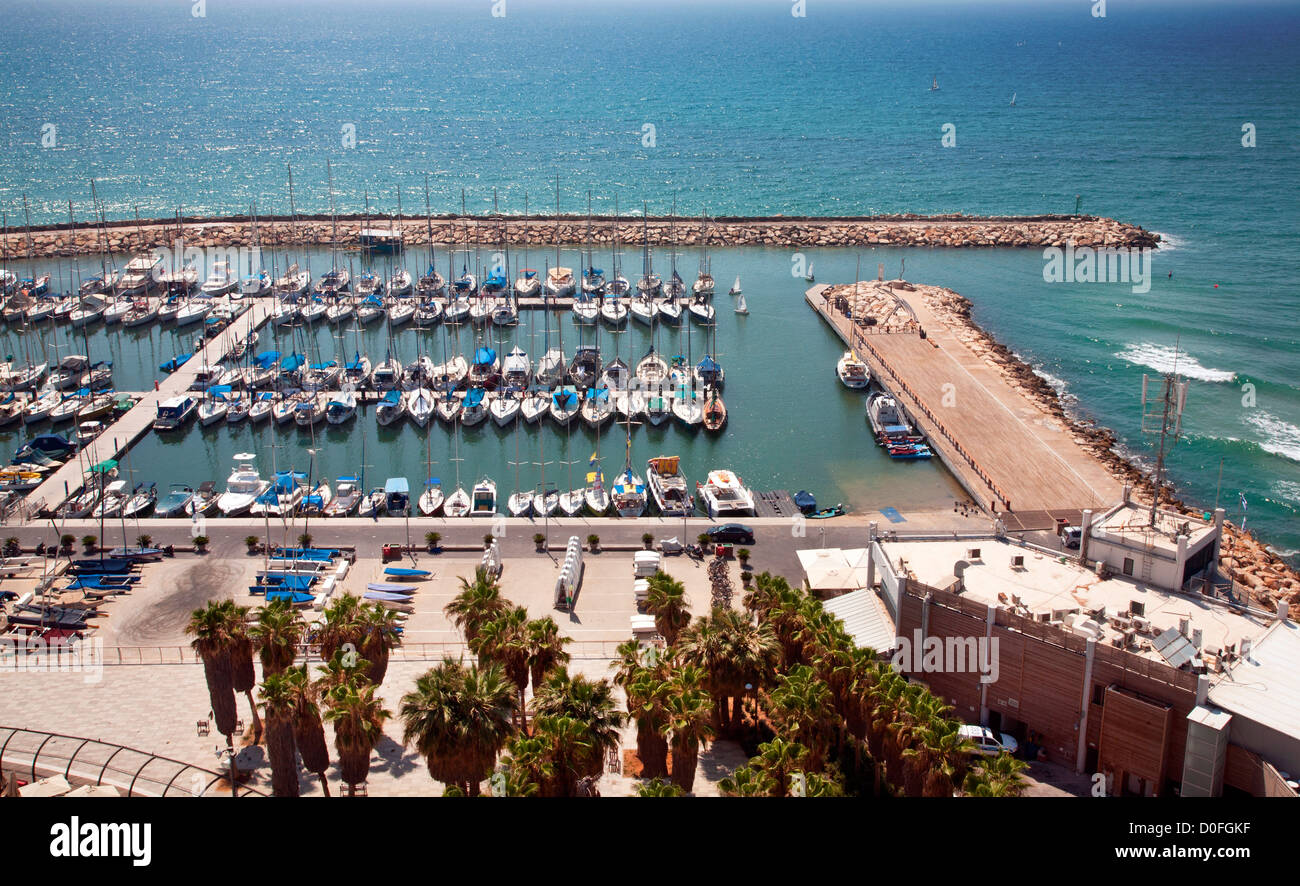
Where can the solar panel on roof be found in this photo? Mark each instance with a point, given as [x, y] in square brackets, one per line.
[1175, 648]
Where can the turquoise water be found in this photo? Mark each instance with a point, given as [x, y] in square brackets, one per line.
[755, 112]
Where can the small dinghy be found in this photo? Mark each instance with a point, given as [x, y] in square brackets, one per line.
[389, 588]
[413, 574]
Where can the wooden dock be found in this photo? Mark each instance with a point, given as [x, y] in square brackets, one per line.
[118, 437]
[775, 503]
[1005, 451]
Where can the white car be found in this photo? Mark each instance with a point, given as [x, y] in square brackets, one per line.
[988, 744]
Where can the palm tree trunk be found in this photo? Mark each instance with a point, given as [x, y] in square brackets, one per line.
[280, 751]
[324, 782]
[685, 756]
[257, 721]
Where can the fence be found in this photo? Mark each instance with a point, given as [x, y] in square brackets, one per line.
[30, 754]
[581, 650]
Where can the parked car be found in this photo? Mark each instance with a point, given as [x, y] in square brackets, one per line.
[988, 744]
[732, 533]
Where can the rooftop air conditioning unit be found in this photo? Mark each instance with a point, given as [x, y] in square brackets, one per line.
[1142, 625]
[972, 553]
[1017, 561]
[1130, 638]
[1121, 622]
[1136, 607]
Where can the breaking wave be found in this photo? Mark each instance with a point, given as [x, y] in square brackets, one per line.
[1163, 358]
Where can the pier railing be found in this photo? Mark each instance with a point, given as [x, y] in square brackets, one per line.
[433, 650]
[30, 755]
[860, 339]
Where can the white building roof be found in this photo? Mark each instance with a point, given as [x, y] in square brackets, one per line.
[834, 569]
[1265, 686]
[864, 618]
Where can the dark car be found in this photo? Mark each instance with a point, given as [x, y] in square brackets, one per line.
[732, 533]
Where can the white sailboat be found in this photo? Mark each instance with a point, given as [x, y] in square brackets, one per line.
[735, 287]
[741, 307]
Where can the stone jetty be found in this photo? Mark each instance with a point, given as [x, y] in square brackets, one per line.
[939, 231]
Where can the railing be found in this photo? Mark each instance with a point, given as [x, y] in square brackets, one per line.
[581, 650]
[31, 754]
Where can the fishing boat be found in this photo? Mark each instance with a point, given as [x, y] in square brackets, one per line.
[175, 502]
[431, 498]
[484, 498]
[391, 408]
[347, 496]
[715, 413]
[668, 486]
[175, 412]
[724, 495]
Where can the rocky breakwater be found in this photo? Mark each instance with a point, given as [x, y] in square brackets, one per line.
[947, 231]
[1262, 574]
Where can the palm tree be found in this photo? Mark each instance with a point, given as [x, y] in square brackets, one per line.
[589, 702]
[528, 768]
[343, 668]
[777, 759]
[278, 631]
[569, 748]
[657, 787]
[647, 698]
[358, 719]
[379, 634]
[475, 605]
[504, 640]
[999, 777]
[242, 670]
[209, 627]
[308, 730]
[734, 653]
[687, 709]
[340, 626]
[801, 705]
[459, 718]
[667, 602]
[747, 781]
[545, 649]
[279, 705]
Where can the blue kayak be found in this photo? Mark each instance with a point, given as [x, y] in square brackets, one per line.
[291, 596]
[398, 572]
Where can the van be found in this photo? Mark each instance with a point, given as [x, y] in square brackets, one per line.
[986, 743]
[1071, 536]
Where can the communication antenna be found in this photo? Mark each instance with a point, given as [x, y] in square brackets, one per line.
[1163, 400]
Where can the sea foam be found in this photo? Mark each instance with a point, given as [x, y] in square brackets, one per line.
[1163, 358]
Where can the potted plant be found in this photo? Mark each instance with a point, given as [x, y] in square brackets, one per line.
[201, 543]
[487, 540]
[647, 539]
[704, 540]
[251, 542]
[90, 541]
[144, 541]
[593, 543]
[304, 540]
[433, 540]
[12, 546]
[743, 556]
[540, 541]
[67, 540]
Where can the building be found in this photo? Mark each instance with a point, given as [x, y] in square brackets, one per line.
[1103, 669]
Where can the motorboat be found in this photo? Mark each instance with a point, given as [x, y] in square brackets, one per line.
[715, 413]
[175, 502]
[221, 280]
[724, 496]
[483, 502]
[887, 418]
[668, 486]
[206, 500]
[347, 496]
[175, 412]
[852, 372]
[397, 497]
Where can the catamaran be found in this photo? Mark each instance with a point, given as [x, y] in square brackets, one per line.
[725, 496]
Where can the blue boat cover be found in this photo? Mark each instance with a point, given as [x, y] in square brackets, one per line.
[266, 359]
[708, 364]
[330, 365]
[565, 399]
[392, 398]
[474, 397]
[397, 485]
[305, 553]
[355, 362]
[292, 362]
[484, 356]
[348, 480]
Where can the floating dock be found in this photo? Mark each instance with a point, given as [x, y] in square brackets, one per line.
[1006, 452]
[120, 436]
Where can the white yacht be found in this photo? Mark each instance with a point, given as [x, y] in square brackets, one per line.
[243, 486]
[725, 496]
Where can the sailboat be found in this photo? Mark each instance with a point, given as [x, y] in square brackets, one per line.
[628, 495]
[735, 287]
[809, 276]
[1013, 99]
[934, 83]
[741, 307]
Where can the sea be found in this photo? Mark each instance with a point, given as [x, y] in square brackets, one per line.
[1179, 117]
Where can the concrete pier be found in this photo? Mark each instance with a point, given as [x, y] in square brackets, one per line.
[1006, 453]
